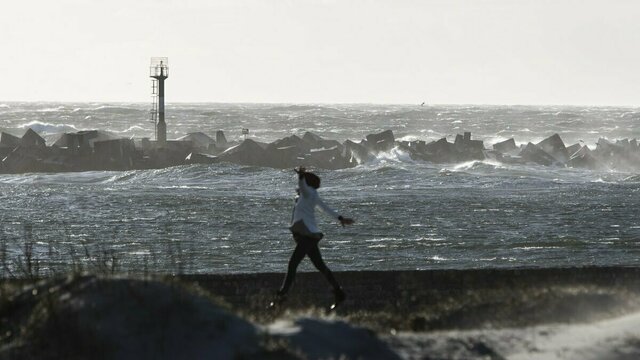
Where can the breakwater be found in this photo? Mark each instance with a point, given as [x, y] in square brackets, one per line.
[100, 150]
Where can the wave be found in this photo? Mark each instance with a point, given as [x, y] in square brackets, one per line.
[87, 177]
[632, 179]
[571, 124]
[630, 115]
[130, 129]
[397, 159]
[295, 108]
[408, 138]
[479, 165]
[48, 128]
[187, 175]
[213, 113]
[563, 114]
[123, 110]
[55, 109]
[393, 156]
[126, 176]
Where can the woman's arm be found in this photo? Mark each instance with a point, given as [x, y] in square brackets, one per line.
[343, 220]
[327, 209]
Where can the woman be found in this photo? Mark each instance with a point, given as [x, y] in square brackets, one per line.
[307, 235]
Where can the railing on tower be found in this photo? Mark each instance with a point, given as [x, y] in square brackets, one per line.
[153, 112]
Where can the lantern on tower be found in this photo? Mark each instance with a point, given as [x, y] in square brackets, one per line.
[159, 72]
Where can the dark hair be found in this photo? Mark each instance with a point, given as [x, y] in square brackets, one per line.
[312, 180]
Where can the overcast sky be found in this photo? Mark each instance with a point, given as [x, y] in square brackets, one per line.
[442, 52]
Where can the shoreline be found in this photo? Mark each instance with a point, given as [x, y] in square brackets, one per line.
[442, 299]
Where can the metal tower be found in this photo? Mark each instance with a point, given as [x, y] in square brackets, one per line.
[159, 71]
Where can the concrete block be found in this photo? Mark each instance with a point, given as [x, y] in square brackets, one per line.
[31, 138]
[554, 146]
[505, 146]
[9, 141]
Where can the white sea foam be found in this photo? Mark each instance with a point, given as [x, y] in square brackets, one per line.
[54, 109]
[469, 165]
[408, 138]
[496, 139]
[130, 129]
[48, 128]
[394, 155]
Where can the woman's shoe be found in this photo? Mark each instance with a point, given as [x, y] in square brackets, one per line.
[339, 297]
[278, 300]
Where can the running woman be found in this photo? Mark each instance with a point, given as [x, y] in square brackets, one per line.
[307, 235]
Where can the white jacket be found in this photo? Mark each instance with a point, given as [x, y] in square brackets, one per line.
[305, 206]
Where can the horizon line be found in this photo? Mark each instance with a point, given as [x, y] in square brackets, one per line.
[418, 104]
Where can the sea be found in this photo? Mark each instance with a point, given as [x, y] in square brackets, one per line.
[409, 215]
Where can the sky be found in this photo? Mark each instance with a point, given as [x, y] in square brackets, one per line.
[566, 52]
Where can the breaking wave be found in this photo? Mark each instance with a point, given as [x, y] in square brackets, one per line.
[393, 156]
[632, 179]
[48, 128]
[112, 109]
[54, 109]
[295, 107]
[478, 164]
[130, 129]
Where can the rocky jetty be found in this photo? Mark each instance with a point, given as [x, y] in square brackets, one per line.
[100, 150]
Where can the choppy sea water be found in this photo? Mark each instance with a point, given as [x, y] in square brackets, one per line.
[409, 214]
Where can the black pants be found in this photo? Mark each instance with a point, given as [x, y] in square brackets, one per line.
[309, 247]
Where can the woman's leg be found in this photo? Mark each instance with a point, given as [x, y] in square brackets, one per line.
[298, 254]
[316, 258]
